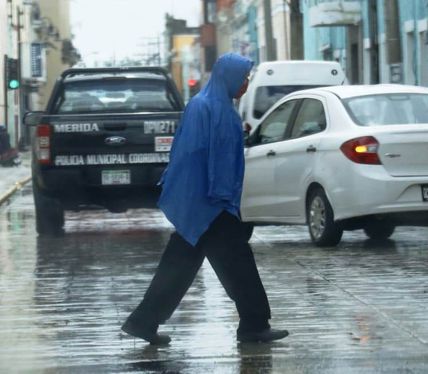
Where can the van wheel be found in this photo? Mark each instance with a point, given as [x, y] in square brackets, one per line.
[323, 230]
[49, 214]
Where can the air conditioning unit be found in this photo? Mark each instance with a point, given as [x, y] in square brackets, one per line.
[335, 13]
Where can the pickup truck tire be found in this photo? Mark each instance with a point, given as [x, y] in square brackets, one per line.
[49, 214]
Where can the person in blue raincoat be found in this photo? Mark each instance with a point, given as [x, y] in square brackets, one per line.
[201, 193]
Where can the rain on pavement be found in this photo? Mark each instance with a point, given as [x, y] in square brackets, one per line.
[358, 308]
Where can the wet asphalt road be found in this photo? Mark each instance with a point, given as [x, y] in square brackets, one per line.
[358, 308]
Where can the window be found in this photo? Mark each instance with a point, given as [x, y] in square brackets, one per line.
[272, 129]
[115, 95]
[310, 119]
[266, 96]
[388, 109]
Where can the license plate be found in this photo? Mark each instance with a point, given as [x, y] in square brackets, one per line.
[163, 143]
[425, 192]
[115, 177]
[159, 127]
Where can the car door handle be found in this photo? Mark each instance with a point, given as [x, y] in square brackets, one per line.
[271, 153]
[311, 148]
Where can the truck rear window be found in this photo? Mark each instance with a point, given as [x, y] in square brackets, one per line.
[116, 95]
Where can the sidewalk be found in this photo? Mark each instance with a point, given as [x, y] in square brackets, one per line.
[14, 177]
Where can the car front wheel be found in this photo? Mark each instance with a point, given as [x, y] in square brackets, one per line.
[49, 214]
[322, 228]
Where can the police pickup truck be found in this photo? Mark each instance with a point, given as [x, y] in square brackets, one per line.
[103, 141]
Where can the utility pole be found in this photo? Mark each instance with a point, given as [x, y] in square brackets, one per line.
[20, 94]
[270, 48]
[296, 30]
[393, 41]
[208, 37]
[392, 31]
[159, 51]
[17, 26]
[6, 91]
[286, 46]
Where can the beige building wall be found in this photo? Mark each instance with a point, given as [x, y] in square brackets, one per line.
[57, 13]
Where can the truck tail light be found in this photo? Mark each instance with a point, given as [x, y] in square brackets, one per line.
[362, 150]
[43, 144]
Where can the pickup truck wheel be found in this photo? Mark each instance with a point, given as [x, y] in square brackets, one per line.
[322, 228]
[49, 214]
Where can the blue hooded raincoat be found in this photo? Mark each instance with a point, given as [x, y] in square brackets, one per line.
[206, 168]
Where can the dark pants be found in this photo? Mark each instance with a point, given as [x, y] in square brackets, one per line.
[232, 259]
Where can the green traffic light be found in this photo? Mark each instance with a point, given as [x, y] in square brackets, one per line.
[13, 84]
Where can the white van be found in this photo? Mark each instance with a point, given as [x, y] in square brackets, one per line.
[272, 80]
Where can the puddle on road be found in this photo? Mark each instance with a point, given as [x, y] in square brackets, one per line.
[349, 309]
[106, 222]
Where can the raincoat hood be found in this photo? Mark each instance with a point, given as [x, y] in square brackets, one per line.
[228, 75]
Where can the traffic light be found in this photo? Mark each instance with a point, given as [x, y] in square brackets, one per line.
[12, 74]
[194, 86]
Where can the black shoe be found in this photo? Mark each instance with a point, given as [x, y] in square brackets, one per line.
[266, 335]
[151, 335]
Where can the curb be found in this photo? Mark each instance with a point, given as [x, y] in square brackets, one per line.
[18, 185]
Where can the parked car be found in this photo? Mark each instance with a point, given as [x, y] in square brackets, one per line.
[103, 141]
[272, 80]
[341, 158]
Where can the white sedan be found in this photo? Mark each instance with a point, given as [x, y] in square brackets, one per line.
[340, 158]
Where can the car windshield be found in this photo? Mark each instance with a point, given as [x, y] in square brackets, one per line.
[266, 96]
[388, 109]
[115, 95]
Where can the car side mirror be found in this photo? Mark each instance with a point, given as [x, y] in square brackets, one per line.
[33, 118]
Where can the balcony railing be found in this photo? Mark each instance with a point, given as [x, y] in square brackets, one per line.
[334, 12]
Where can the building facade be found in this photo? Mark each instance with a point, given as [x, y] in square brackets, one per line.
[375, 41]
[37, 34]
[54, 33]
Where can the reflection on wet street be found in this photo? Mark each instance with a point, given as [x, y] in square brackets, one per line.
[359, 308]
